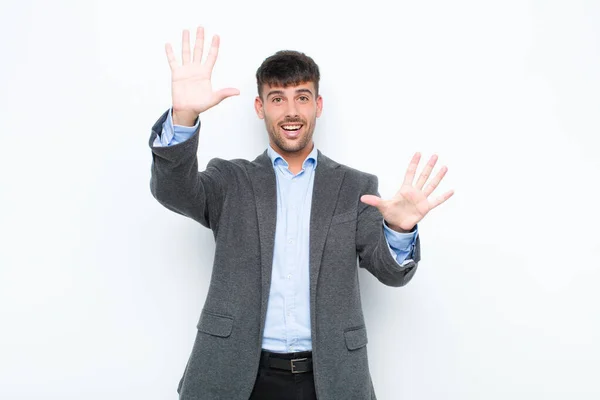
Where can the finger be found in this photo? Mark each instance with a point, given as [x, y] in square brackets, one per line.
[441, 199]
[198, 45]
[222, 94]
[213, 52]
[171, 56]
[435, 182]
[371, 200]
[185, 47]
[426, 172]
[412, 168]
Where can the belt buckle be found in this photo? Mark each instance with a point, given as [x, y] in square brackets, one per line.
[293, 366]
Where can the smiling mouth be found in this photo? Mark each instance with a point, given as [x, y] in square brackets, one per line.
[291, 127]
[292, 130]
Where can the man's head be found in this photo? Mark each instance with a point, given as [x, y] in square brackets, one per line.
[288, 100]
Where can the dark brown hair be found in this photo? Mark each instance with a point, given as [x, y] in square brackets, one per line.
[287, 68]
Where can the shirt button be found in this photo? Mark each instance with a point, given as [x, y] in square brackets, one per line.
[289, 276]
[291, 241]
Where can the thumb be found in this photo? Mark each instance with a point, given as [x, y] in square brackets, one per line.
[371, 200]
[222, 94]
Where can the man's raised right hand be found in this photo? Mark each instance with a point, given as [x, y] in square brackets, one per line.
[191, 89]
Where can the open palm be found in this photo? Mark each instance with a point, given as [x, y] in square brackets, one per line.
[191, 86]
[411, 203]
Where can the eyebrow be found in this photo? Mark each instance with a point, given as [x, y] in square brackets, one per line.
[280, 92]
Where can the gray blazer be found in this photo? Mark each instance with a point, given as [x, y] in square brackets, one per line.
[236, 199]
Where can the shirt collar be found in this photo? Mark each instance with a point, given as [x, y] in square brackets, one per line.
[276, 158]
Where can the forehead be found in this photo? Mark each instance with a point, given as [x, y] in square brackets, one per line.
[289, 90]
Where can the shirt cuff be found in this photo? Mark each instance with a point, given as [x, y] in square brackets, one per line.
[174, 134]
[401, 245]
[399, 240]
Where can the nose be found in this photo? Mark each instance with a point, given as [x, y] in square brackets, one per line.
[291, 111]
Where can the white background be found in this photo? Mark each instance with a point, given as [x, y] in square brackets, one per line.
[101, 287]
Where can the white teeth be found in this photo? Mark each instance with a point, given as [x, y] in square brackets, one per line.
[292, 127]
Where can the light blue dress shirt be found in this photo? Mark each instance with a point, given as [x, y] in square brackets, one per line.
[287, 325]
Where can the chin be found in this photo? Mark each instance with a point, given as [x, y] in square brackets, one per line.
[294, 146]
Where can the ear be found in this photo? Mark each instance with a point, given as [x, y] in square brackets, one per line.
[319, 105]
[258, 107]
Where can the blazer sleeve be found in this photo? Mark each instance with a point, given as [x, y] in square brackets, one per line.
[177, 184]
[372, 247]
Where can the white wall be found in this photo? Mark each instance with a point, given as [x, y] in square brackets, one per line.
[101, 287]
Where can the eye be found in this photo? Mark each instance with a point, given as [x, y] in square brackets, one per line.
[303, 99]
[276, 100]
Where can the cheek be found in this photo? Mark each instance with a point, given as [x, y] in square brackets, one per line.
[311, 109]
[310, 114]
[273, 115]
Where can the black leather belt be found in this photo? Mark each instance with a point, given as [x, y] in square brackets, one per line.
[296, 363]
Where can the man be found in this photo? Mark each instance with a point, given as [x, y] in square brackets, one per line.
[283, 317]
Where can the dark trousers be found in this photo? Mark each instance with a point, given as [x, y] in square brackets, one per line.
[277, 384]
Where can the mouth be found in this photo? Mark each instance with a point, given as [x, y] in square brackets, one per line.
[291, 130]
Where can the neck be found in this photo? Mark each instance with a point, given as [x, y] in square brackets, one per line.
[294, 159]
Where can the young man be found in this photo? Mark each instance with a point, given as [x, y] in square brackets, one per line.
[283, 316]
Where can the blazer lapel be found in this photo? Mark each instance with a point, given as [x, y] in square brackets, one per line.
[328, 180]
[264, 184]
[327, 183]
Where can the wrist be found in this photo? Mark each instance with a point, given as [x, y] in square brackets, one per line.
[398, 229]
[184, 118]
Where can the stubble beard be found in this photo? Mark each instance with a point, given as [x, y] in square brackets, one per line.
[290, 146]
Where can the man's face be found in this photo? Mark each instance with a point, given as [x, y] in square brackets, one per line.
[290, 115]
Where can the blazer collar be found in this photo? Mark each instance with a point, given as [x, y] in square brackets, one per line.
[266, 160]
